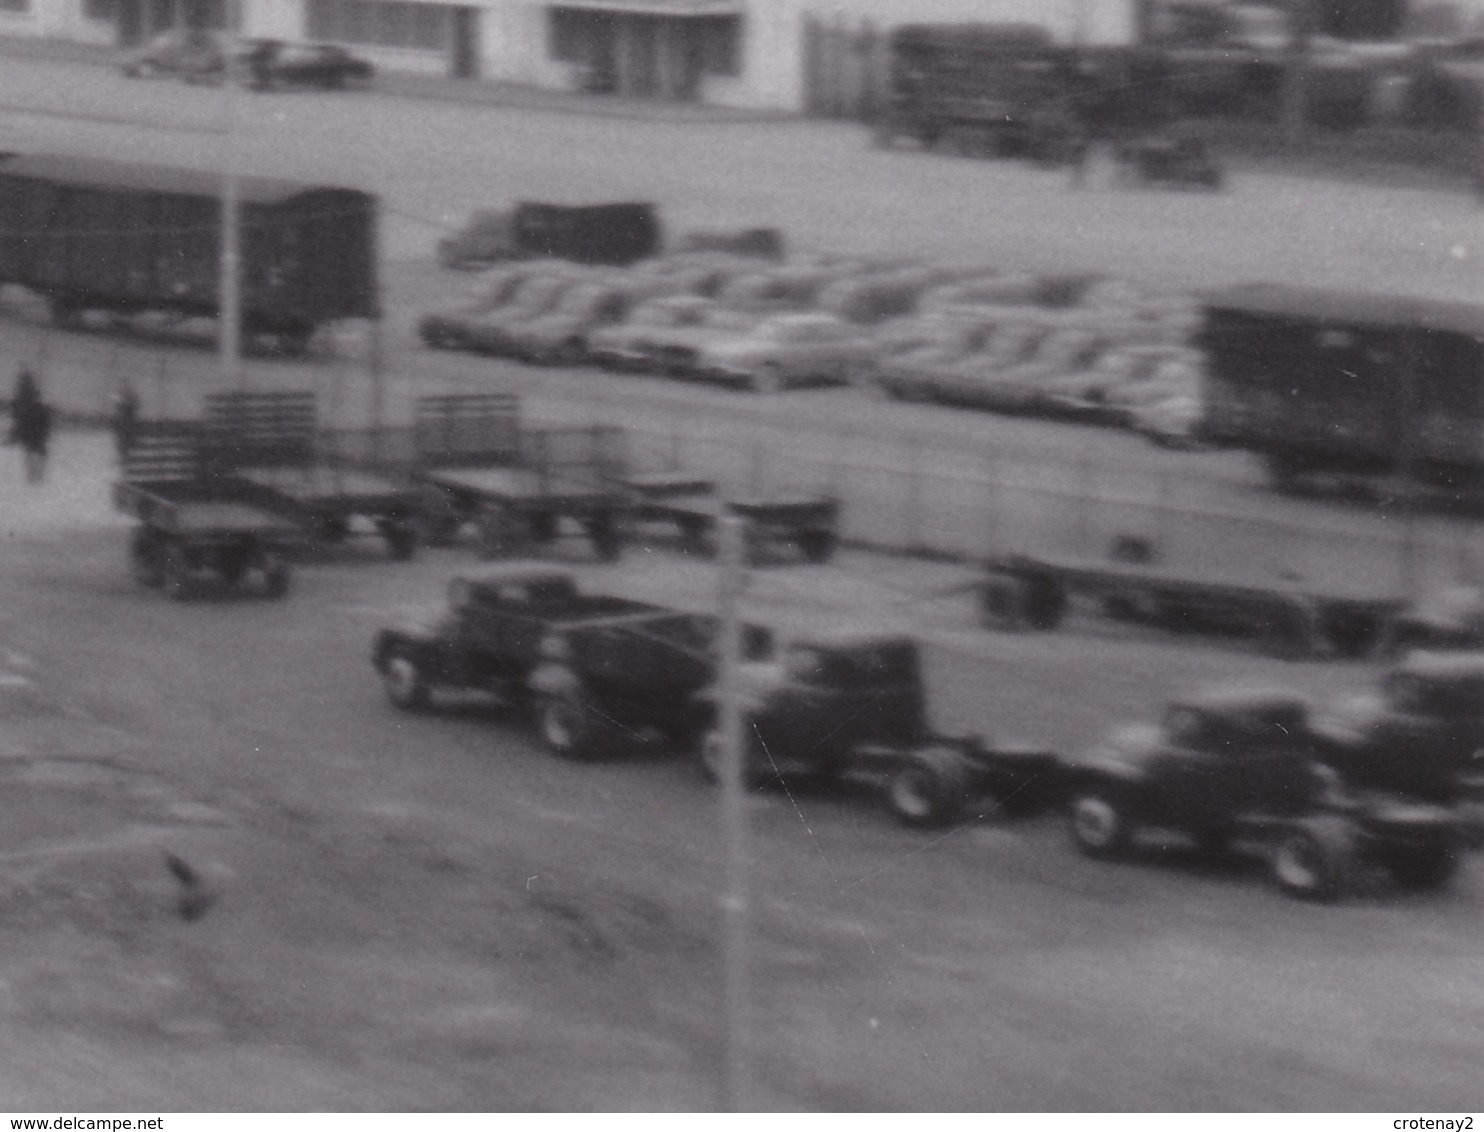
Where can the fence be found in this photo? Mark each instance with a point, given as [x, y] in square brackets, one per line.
[929, 494]
[961, 485]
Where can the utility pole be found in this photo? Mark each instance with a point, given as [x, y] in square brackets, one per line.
[229, 316]
[1294, 107]
[733, 1069]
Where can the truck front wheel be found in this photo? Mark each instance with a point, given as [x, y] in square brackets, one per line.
[1101, 826]
[1313, 862]
[405, 681]
[929, 788]
[566, 724]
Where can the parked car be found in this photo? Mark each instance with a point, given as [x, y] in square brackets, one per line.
[785, 350]
[195, 56]
[274, 63]
[560, 337]
[912, 373]
[1450, 620]
[638, 342]
[984, 379]
[495, 331]
[447, 328]
[1171, 159]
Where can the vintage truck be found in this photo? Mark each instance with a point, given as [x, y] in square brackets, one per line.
[1421, 732]
[851, 704]
[1241, 767]
[593, 671]
[1350, 393]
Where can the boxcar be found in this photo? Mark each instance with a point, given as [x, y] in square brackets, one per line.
[92, 235]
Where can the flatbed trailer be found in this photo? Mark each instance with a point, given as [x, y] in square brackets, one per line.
[325, 481]
[1022, 591]
[806, 521]
[477, 464]
[193, 522]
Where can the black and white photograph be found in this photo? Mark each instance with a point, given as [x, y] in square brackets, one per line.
[742, 556]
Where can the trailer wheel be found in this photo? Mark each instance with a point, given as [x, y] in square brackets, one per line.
[1352, 634]
[1423, 868]
[180, 583]
[275, 575]
[145, 559]
[404, 680]
[1100, 821]
[502, 533]
[1002, 602]
[1045, 602]
[567, 726]
[1294, 632]
[930, 788]
[693, 535]
[1314, 861]
[818, 546]
[400, 537]
[603, 532]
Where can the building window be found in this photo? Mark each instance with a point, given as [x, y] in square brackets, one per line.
[721, 45]
[572, 34]
[379, 23]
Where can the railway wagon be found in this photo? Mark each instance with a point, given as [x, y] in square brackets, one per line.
[126, 239]
[1359, 390]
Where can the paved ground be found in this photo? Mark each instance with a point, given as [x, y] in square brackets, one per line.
[425, 913]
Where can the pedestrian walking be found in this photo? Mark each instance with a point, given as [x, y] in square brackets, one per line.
[30, 425]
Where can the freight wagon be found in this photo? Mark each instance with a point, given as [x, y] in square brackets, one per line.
[1349, 390]
[125, 239]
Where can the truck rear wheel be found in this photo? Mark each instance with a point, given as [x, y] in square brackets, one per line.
[567, 726]
[145, 559]
[275, 575]
[178, 576]
[400, 537]
[930, 788]
[1314, 861]
[818, 546]
[1423, 868]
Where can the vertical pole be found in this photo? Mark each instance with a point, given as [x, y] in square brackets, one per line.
[229, 329]
[732, 1078]
[1406, 459]
[994, 532]
[378, 390]
[914, 492]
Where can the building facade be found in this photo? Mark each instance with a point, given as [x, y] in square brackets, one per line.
[742, 53]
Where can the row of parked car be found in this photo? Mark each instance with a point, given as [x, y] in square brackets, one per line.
[200, 56]
[1064, 346]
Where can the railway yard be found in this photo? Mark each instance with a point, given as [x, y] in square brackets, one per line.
[237, 874]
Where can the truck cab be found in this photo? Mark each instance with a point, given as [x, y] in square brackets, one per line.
[1421, 733]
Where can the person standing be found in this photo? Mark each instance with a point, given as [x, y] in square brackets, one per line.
[30, 425]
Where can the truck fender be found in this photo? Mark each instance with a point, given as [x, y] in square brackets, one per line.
[419, 643]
